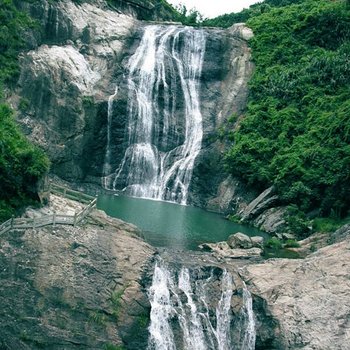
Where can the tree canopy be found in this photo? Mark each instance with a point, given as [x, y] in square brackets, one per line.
[21, 163]
[296, 130]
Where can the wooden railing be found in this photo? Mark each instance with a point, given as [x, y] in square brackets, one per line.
[70, 194]
[55, 218]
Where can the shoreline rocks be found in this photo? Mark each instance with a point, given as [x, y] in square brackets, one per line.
[237, 246]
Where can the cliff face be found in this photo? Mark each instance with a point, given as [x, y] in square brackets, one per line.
[87, 287]
[308, 299]
[74, 287]
[75, 65]
[65, 84]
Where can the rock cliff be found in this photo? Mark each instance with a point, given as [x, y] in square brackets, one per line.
[70, 287]
[87, 287]
[307, 299]
[80, 56]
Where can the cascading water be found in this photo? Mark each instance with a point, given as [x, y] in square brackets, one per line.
[164, 129]
[181, 317]
[248, 317]
[107, 162]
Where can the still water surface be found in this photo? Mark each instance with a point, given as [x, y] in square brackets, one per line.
[171, 225]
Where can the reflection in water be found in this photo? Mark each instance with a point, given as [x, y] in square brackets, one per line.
[171, 225]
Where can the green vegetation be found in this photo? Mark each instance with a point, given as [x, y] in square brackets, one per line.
[13, 24]
[291, 243]
[329, 224]
[116, 301]
[143, 321]
[110, 346]
[21, 164]
[97, 317]
[276, 248]
[254, 10]
[187, 17]
[273, 243]
[296, 131]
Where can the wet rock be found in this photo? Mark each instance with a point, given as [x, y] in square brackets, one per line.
[66, 82]
[226, 71]
[223, 250]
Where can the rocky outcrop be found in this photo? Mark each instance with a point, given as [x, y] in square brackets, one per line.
[307, 299]
[77, 60]
[155, 10]
[64, 86]
[237, 246]
[240, 240]
[222, 251]
[87, 287]
[264, 201]
[224, 89]
[272, 220]
[75, 287]
[260, 210]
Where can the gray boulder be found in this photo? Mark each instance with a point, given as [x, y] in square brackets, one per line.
[257, 241]
[239, 240]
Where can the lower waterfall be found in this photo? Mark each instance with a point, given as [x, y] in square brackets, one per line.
[164, 131]
[184, 316]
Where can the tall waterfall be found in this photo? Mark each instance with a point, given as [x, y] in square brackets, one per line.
[181, 317]
[164, 131]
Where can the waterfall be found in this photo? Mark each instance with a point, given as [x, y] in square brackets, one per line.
[248, 317]
[164, 131]
[223, 315]
[182, 312]
[107, 161]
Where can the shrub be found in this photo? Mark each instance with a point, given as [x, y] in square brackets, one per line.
[328, 224]
[273, 243]
[291, 243]
[297, 222]
[21, 166]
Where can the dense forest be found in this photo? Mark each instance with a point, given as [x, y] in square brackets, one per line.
[21, 163]
[296, 131]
